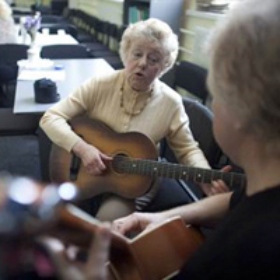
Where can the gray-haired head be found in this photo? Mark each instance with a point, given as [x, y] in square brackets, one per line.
[153, 30]
[245, 67]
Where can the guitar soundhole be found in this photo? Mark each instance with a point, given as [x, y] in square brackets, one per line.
[119, 163]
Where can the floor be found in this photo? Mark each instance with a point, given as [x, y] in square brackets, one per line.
[19, 155]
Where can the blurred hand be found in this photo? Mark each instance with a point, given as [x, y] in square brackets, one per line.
[218, 186]
[68, 268]
[137, 222]
[93, 159]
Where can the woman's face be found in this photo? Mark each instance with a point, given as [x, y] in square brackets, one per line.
[144, 63]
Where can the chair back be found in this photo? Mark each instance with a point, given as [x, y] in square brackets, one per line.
[13, 52]
[201, 119]
[51, 19]
[57, 6]
[100, 30]
[65, 51]
[192, 78]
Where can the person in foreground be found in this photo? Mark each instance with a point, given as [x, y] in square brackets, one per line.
[244, 79]
[29, 217]
[94, 268]
[132, 99]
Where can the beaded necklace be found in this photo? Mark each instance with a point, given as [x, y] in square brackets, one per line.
[130, 112]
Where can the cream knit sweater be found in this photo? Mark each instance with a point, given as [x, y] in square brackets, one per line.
[100, 98]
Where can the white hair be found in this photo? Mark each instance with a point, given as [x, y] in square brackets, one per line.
[245, 66]
[5, 10]
[154, 30]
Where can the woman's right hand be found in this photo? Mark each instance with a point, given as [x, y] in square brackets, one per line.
[93, 159]
[69, 268]
[137, 222]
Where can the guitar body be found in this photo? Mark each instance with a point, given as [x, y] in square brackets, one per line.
[159, 253]
[154, 254]
[130, 144]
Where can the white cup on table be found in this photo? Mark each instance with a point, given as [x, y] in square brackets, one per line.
[61, 32]
[46, 31]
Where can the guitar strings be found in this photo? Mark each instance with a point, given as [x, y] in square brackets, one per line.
[181, 170]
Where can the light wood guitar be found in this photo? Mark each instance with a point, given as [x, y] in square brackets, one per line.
[133, 167]
[155, 254]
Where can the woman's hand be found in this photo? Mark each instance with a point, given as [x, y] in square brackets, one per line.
[218, 186]
[137, 222]
[68, 268]
[93, 159]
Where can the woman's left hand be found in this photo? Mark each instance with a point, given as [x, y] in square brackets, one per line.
[218, 186]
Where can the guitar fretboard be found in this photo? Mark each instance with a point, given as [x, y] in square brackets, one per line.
[152, 168]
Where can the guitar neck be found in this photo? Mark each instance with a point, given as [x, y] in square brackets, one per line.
[176, 171]
[78, 227]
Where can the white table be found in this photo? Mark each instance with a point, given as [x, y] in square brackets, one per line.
[49, 39]
[76, 72]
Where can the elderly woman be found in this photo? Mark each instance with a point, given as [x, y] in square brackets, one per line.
[244, 79]
[8, 29]
[132, 99]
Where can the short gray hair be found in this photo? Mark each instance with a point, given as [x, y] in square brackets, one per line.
[245, 67]
[5, 10]
[154, 30]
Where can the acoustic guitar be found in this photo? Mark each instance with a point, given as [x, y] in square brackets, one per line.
[133, 167]
[154, 254]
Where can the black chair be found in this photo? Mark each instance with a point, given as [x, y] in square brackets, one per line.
[9, 70]
[192, 78]
[108, 32]
[57, 6]
[86, 28]
[113, 36]
[98, 28]
[43, 9]
[13, 52]
[65, 51]
[52, 19]
[177, 192]
[201, 118]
